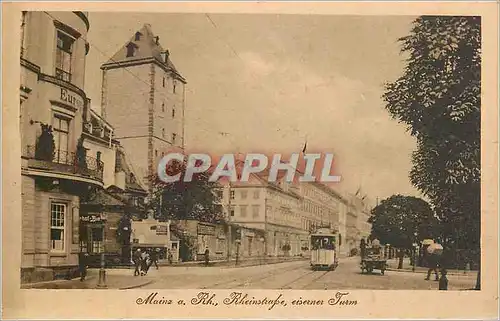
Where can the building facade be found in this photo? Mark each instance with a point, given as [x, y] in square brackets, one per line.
[281, 215]
[321, 206]
[358, 215]
[143, 97]
[56, 172]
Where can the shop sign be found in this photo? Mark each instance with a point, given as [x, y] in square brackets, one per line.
[93, 218]
[206, 229]
[162, 230]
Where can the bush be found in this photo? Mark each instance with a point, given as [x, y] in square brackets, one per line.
[45, 146]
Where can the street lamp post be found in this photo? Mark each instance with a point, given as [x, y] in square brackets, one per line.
[102, 270]
[237, 251]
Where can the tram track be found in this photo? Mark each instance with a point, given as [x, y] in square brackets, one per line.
[252, 278]
[288, 285]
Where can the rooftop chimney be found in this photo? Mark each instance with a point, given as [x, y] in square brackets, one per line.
[157, 40]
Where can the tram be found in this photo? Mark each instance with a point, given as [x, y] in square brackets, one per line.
[323, 245]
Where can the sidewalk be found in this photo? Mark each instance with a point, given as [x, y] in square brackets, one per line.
[393, 266]
[113, 281]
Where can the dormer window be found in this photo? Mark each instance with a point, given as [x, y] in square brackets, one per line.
[131, 49]
[138, 36]
[131, 178]
[164, 55]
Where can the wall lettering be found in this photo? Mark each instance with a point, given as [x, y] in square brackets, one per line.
[70, 98]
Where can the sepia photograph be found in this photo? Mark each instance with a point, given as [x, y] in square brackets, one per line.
[104, 96]
[248, 152]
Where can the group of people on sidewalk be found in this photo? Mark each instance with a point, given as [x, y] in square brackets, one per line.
[143, 260]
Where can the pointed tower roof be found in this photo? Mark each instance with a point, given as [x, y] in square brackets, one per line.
[143, 47]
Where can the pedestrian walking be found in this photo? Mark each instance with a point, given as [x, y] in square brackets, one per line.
[443, 281]
[137, 262]
[170, 257]
[207, 257]
[154, 258]
[362, 247]
[83, 265]
[432, 265]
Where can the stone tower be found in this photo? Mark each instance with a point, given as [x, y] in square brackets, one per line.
[143, 97]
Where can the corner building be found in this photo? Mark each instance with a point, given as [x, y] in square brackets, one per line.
[143, 97]
[55, 172]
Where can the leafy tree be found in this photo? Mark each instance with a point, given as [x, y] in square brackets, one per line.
[181, 200]
[438, 97]
[401, 221]
[45, 146]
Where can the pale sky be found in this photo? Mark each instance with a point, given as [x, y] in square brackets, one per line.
[270, 81]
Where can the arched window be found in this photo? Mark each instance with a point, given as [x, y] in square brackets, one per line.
[138, 36]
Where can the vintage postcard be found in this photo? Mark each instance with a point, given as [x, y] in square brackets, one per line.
[244, 160]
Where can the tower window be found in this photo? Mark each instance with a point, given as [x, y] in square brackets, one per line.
[64, 59]
[175, 85]
[138, 36]
[163, 82]
[163, 132]
[173, 138]
[131, 50]
[163, 107]
[156, 153]
[173, 113]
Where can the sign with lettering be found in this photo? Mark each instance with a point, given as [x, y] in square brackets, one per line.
[93, 218]
[206, 229]
[70, 98]
[162, 230]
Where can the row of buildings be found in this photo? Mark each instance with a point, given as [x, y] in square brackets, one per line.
[86, 176]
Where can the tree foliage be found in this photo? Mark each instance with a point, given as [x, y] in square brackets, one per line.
[186, 200]
[397, 219]
[438, 97]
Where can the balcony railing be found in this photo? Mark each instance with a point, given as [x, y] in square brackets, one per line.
[63, 75]
[67, 162]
